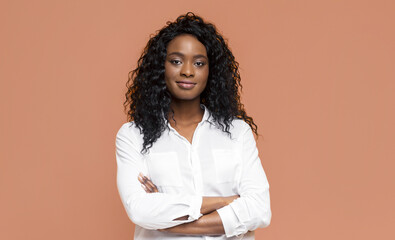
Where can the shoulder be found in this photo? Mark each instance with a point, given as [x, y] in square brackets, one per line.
[129, 131]
[244, 131]
[240, 126]
[126, 127]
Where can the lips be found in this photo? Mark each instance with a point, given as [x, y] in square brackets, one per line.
[185, 84]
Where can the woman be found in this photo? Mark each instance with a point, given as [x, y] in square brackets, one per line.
[188, 166]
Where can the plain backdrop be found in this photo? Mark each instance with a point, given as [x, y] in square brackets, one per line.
[318, 78]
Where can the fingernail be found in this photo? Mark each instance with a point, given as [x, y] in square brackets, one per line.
[144, 186]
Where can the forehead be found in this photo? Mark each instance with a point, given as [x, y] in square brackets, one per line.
[186, 44]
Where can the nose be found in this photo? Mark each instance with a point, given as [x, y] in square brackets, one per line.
[187, 70]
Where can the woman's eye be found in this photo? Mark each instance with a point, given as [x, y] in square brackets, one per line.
[199, 64]
[177, 62]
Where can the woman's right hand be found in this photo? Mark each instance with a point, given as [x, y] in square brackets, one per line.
[147, 184]
[209, 204]
[150, 187]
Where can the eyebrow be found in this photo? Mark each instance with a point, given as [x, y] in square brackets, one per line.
[182, 55]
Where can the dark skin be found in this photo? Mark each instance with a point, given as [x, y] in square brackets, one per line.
[187, 61]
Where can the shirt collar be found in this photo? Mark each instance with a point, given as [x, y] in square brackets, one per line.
[206, 115]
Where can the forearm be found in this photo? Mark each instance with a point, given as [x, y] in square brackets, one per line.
[209, 224]
[210, 204]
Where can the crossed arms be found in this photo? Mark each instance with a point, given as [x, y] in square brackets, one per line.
[193, 214]
[209, 224]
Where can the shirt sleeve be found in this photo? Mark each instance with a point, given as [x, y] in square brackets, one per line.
[252, 209]
[148, 210]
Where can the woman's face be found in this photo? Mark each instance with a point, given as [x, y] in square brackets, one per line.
[186, 67]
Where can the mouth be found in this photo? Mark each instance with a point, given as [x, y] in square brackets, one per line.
[185, 84]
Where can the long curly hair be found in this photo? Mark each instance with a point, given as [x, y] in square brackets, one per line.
[148, 99]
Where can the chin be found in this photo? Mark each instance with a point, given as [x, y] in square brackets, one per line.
[185, 97]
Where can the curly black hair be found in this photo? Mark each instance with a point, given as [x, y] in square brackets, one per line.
[149, 100]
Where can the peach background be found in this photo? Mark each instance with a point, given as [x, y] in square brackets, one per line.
[318, 78]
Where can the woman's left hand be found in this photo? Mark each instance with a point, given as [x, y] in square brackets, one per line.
[147, 184]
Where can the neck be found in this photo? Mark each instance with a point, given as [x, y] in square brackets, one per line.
[186, 111]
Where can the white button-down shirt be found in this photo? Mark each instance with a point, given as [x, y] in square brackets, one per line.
[213, 165]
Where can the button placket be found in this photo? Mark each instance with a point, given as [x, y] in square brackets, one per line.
[195, 161]
[197, 174]
[193, 157]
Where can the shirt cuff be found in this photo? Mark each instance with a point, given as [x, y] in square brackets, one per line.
[196, 205]
[231, 223]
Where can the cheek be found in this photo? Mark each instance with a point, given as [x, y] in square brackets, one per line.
[204, 75]
[166, 72]
[204, 85]
[169, 76]
[170, 70]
